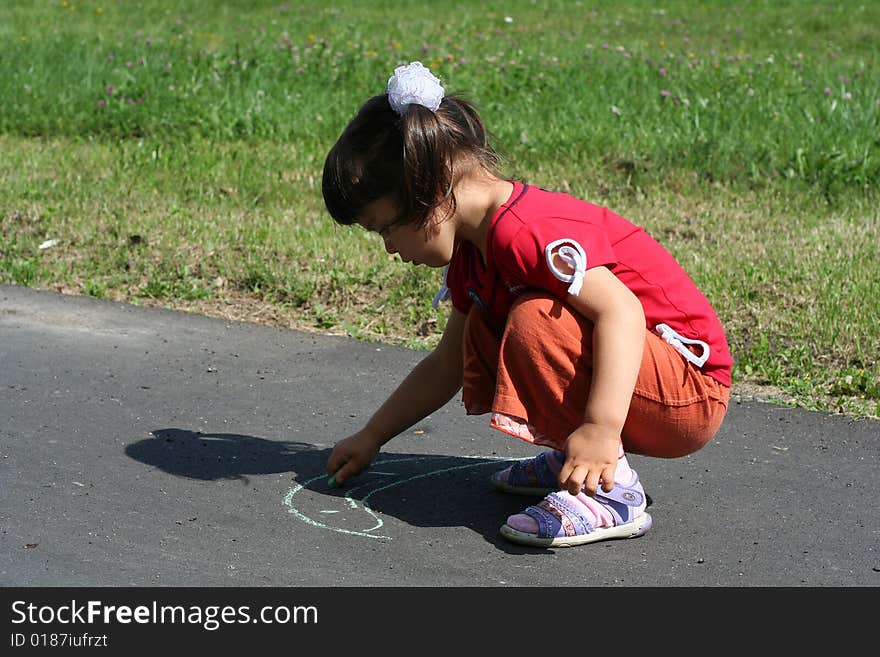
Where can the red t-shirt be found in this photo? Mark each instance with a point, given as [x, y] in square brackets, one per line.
[534, 221]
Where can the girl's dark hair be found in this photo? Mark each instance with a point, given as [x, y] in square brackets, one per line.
[411, 158]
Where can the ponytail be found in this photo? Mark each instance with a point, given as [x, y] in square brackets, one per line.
[428, 158]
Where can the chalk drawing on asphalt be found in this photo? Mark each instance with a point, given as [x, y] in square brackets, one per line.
[297, 502]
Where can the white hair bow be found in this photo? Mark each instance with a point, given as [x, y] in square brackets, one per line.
[414, 84]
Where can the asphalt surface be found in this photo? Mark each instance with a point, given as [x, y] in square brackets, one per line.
[143, 447]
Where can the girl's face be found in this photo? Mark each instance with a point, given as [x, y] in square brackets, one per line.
[431, 245]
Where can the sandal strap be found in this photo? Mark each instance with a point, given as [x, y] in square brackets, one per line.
[628, 495]
[556, 517]
[621, 500]
[535, 473]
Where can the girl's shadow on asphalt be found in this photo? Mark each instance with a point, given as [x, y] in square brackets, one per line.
[419, 490]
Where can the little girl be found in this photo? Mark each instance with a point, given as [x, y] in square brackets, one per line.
[569, 325]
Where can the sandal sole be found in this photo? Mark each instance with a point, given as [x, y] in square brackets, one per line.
[632, 529]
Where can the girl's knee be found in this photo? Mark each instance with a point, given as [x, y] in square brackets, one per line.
[549, 338]
[535, 311]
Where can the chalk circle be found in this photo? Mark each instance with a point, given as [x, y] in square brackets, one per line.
[351, 513]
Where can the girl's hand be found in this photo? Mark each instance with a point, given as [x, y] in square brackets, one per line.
[352, 455]
[591, 454]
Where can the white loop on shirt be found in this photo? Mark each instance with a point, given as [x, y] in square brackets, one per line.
[572, 254]
[678, 341]
[444, 293]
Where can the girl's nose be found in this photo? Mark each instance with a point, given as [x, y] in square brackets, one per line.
[389, 246]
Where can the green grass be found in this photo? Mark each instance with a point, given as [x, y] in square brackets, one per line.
[175, 149]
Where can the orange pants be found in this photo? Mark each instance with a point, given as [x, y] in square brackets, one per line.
[535, 379]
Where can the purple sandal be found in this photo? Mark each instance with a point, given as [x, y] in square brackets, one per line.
[535, 476]
[562, 522]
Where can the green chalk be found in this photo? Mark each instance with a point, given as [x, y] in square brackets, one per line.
[332, 480]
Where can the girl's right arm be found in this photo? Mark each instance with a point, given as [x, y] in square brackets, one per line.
[431, 383]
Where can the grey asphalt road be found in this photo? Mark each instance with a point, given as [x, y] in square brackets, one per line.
[142, 447]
